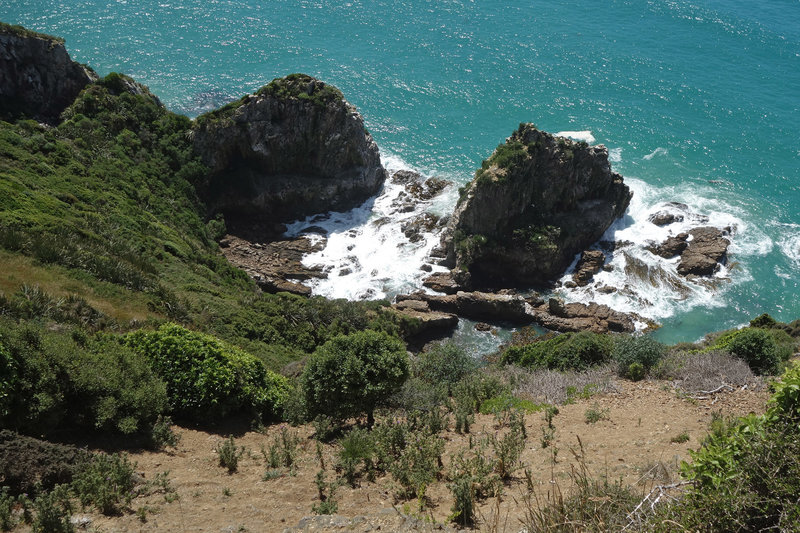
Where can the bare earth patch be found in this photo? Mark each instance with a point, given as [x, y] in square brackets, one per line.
[637, 441]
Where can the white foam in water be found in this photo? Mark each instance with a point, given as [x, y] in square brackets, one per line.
[615, 155]
[366, 255]
[657, 151]
[789, 244]
[650, 285]
[585, 135]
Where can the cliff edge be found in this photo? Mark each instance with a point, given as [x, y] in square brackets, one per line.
[294, 148]
[38, 79]
[532, 206]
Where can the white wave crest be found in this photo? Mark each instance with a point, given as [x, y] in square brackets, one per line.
[584, 135]
[789, 245]
[657, 151]
[366, 254]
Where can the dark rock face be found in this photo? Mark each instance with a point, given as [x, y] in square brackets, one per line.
[293, 148]
[704, 253]
[533, 205]
[590, 263]
[475, 305]
[38, 79]
[674, 245]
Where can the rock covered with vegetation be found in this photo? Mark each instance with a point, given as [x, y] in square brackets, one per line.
[534, 204]
[37, 77]
[294, 148]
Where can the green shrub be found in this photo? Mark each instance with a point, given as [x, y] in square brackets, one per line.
[506, 402]
[636, 355]
[358, 447]
[208, 379]
[53, 512]
[229, 454]
[106, 483]
[418, 464]
[567, 351]
[162, 436]
[351, 375]
[757, 348]
[444, 363]
[93, 383]
[746, 475]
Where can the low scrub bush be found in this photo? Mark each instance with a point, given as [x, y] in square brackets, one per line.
[418, 464]
[746, 475]
[358, 451]
[444, 363]
[695, 372]
[60, 381]
[29, 465]
[352, 375]
[206, 378]
[106, 483]
[555, 387]
[567, 351]
[229, 454]
[53, 512]
[637, 355]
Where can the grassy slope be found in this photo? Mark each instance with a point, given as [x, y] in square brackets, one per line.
[104, 205]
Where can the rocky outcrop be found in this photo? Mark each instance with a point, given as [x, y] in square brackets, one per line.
[477, 305]
[534, 204]
[275, 266]
[38, 79]
[705, 252]
[590, 263]
[674, 245]
[294, 148]
[558, 316]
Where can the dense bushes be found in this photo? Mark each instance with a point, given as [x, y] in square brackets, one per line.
[207, 379]
[351, 375]
[636, 355]
[747, 474]
[568, 351]
[60, 381]
[764, 349]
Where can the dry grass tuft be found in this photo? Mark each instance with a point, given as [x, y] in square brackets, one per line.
[555, 387]
[702, 372]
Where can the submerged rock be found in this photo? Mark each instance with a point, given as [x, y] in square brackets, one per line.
[38, 79]
[534, 204]
[294, 148]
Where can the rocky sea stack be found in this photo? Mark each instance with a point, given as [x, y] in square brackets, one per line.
[534, 204]
[38, 79]
[294, 148]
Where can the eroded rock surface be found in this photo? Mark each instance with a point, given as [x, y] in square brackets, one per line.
[705, 252]
[533, 205]
[294, 148]
[590, 263]
[558, 316]
[38, 79]
[275, 266]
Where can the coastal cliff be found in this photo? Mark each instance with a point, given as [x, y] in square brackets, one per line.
[294, 148]
[534, 204]
[38, 79]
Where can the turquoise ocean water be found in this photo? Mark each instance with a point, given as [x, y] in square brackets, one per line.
[697, 101]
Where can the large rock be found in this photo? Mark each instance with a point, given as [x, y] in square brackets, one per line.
[534, 204]
[475, 305]
[705, 252]
[558, 316]
[38, 79]
[294, 148]
[590, 263]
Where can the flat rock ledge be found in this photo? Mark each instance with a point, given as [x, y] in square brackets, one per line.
[521, 310]
[275, 266]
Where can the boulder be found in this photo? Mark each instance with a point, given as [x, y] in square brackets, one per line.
[590, 263]
[664, 218]
[294, 148]
[534, 204]
[442, 282]
[38, 79]
[558, 316]
[673, 246]
[704, 253]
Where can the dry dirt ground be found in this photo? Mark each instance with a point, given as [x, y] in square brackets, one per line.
[641, 421]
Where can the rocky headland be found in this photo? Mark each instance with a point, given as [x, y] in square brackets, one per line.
[294, 148]
[38, 80]
[534, 204]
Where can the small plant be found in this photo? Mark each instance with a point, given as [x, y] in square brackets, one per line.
[227, 492]
[549, 432]
[357, 447]
[106, 483]
[509, 448]
[53, 512]
[463, 509]
[272, 473]
[283, 449]
[327, 491]
[418, 464]
[229, 454]
[7, 503]
[163, 435]
[680, 438]
[594, 414]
